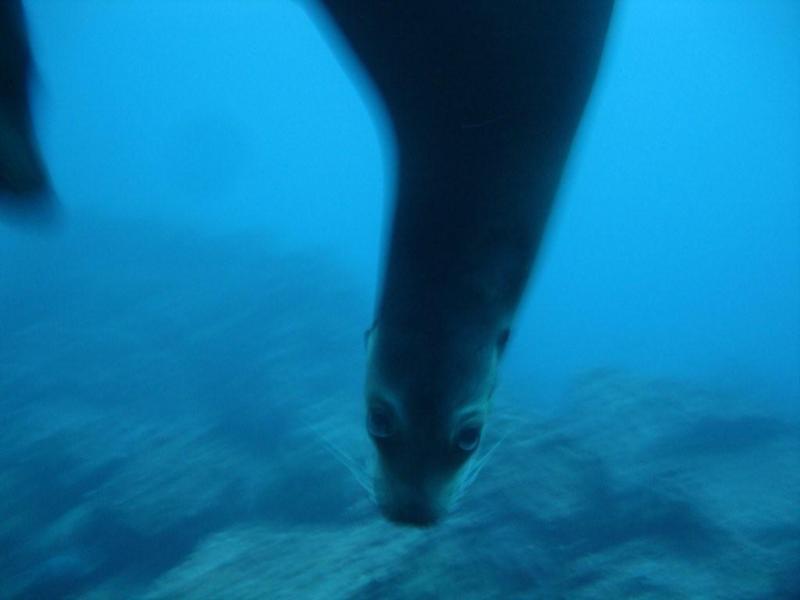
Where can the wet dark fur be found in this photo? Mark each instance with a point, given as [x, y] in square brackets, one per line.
[484, 97]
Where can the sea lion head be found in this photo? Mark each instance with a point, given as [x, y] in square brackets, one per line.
[427, 403]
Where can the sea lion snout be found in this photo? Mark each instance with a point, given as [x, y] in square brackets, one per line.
[412, 513]
[410, 504]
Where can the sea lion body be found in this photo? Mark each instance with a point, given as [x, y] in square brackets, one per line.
[484, 98]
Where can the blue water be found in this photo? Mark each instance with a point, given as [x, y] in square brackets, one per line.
[225, 176]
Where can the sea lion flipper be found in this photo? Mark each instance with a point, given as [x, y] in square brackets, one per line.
[24, 184]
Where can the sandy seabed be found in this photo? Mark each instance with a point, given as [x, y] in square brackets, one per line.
[167, 402]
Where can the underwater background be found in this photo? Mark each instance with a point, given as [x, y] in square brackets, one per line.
[181, 357]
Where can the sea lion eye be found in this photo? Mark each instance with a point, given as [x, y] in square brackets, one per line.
[380, 421]
[468, 438]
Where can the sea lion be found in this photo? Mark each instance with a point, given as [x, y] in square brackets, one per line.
[23, 180]
[484, 98]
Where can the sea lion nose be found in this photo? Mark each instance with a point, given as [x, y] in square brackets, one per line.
[413, 513]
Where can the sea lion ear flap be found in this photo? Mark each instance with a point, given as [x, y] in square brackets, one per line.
[502, 341]
[367, 336]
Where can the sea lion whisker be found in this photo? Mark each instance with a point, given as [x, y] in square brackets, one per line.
[347, 462]
[514, 418]
[360, 474]
[479, 464]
